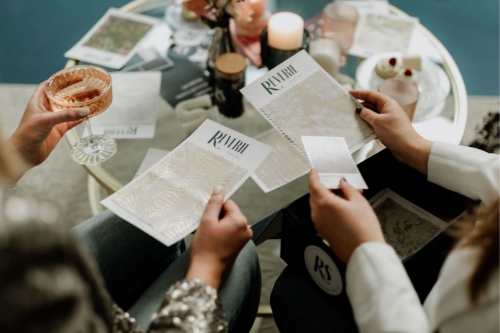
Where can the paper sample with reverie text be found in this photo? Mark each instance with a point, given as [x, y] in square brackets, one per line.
[168, 200]
[300, 99]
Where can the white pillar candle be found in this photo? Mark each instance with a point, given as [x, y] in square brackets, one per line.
[285, 31]
[327, 54]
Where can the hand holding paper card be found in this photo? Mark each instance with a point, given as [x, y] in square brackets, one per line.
[168, 200]
[300, 99]
[331, 158]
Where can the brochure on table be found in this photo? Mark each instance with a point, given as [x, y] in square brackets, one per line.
[151, 55]
[113, 40]
[132, 114]
[300, 99]
[168, 200]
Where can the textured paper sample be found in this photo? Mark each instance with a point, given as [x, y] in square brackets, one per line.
[152, 157]
[405, 226]
[172, 196]
[283, 165]
[168, 200]
[300, 99]
[316, 107]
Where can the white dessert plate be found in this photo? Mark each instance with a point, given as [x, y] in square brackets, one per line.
[433, 85]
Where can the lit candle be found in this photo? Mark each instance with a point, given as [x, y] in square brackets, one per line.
[285, 31]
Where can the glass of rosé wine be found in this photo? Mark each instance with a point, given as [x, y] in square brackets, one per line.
[84, 86]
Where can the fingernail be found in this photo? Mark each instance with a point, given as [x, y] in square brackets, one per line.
[217, 189]
[83, 112]
[358, 110]
[345, 180]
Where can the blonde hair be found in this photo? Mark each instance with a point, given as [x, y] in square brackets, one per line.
[483, 235]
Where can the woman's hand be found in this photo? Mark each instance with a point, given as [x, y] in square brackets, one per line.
[41, 128]
[345, 221]
[222, 233]
[393, 128]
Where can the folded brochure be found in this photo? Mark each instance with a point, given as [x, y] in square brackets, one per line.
[168, 200]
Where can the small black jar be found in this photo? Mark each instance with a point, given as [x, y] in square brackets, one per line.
[229, 79]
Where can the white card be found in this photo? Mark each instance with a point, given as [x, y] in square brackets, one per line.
[168, 200]
[113, 40]
[132, 114]
[331, 158]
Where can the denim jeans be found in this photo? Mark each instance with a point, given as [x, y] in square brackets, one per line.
[138, 270]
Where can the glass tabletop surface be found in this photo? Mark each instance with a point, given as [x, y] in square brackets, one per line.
[254, 203]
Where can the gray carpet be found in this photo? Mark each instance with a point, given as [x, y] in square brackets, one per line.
[65, 182]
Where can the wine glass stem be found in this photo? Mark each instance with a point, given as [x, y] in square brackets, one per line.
[89, 128]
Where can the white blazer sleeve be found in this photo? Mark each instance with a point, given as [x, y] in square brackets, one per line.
[468, 171]
[381, 294]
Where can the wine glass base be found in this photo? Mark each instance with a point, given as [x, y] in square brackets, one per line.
[93, 150]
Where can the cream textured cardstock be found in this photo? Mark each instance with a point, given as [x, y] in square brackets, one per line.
[317, 106]
[283, 165]
[172, 196]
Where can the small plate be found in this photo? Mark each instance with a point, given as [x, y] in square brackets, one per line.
[433, 86]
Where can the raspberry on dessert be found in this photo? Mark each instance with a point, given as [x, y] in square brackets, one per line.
[393, 61]
[408, 72]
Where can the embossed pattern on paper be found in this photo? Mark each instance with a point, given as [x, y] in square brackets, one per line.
[172, 196]
[318, 106]
[283, 165]
[403, 229]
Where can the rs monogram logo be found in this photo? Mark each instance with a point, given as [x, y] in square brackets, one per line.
[323, 270]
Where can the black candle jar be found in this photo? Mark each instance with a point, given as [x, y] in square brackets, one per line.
[229, 79]
[272, 57]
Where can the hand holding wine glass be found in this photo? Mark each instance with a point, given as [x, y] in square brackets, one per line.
[41, 129]
[84, 86]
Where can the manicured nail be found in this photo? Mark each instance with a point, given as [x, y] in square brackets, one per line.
[217, 189]
[83, 112]
[345, 180]
[358, 110]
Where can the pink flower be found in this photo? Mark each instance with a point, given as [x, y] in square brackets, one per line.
[240, 10]
[200, 7]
